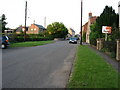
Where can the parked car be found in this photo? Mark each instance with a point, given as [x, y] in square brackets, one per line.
[67, 38]
[5, 42]
[73, 40]
[77, 38]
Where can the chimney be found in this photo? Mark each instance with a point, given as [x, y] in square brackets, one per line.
[90, 15]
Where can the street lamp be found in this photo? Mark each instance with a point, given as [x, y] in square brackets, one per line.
[81, 21]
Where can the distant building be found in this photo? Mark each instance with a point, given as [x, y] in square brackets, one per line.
[35, 29]
[10, 31]
[119, 13]
[18, 30]
[86, 26]
[71, 32]
[21, 29]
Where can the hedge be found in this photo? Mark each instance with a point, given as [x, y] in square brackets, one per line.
[29, 37]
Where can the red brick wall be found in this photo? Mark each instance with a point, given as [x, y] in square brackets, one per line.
[33, 29]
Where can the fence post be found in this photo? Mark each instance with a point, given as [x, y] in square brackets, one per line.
[118, 50]
[100, 43]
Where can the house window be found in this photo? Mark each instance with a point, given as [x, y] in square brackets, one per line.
[23, 29]
[31, 29]
[35, 29]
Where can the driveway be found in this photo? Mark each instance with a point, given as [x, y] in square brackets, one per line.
[46, 66]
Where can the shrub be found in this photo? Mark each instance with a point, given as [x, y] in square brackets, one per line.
[84, 37]
[110, 45]
[29, 37]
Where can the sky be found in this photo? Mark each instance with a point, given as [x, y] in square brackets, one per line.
[66, 11]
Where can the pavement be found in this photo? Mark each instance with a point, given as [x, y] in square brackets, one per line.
[46, 66]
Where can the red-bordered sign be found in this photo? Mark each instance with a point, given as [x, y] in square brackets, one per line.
[106, 29]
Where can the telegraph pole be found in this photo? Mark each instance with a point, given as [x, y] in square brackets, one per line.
[45, 22]
[81, 21]
[119, 14]
[25, 20]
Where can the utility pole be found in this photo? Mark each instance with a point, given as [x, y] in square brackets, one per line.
[119, 13]
[25, 20]
[81, 21]
[34, 22]
[45, 22]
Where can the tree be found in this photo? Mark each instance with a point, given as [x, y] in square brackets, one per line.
[3, 18]
[107, 18]
[84, 37]
[94, 33]
[57, 30]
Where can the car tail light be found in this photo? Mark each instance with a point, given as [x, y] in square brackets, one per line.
[7, 40]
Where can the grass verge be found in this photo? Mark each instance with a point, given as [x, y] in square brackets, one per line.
[91, 71]
[30, 44]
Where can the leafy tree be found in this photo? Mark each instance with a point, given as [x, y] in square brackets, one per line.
[107, 18]
[84, 37]
[57, 30]
[94, 34]
[3, 18]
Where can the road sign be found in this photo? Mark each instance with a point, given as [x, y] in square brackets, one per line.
[106, 29]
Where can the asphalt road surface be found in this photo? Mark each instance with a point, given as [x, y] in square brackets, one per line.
[46, 66]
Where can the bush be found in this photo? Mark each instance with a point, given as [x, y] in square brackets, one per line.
[110, 46]
[113, 54]
[84, 37]
[93, 37]
[29, 37]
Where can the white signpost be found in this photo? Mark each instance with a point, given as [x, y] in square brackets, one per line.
[106, 30]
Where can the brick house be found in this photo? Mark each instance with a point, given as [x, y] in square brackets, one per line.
[86, 26]
[35, 29]
[71, 32]
[21, 29]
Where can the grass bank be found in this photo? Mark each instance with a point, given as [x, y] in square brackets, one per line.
[91, 71]
[30, 44]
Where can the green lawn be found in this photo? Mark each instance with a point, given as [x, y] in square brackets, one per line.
[91, 71]
[30, 44]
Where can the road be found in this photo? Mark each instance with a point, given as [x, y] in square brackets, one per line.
[46, 66]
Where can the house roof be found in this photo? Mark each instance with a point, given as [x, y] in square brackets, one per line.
[19, 29]
[40, 26]
[71, 29]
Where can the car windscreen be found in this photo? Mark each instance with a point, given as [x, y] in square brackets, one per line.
[73, 39]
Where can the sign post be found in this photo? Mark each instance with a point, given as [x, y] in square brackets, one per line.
[106, 36]
[107, 30]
